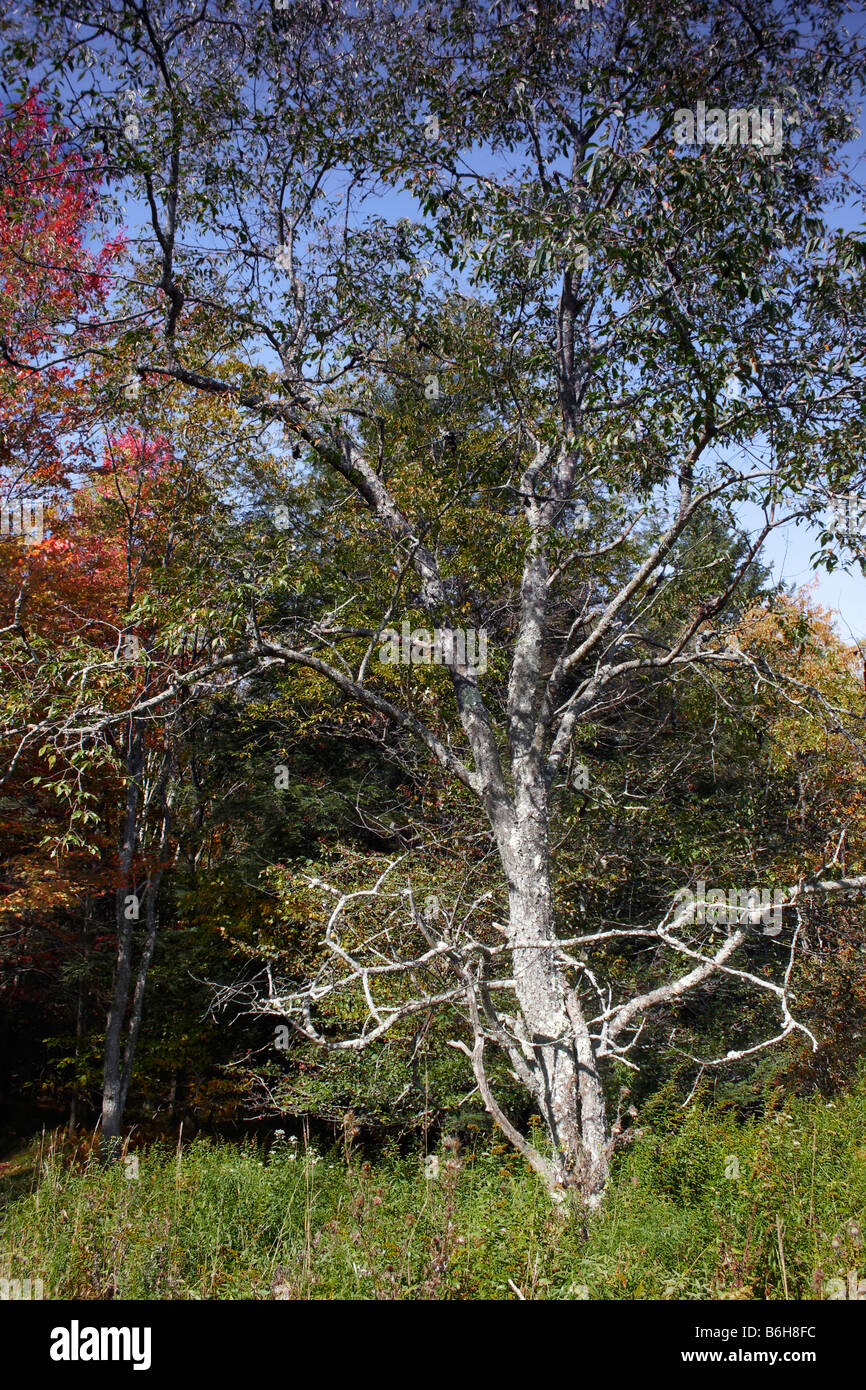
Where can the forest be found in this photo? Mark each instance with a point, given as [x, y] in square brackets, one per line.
[432, 652]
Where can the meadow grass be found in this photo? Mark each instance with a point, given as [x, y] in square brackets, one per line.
[700, 1206]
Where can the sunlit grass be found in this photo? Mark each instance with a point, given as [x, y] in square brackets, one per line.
[700, 1206]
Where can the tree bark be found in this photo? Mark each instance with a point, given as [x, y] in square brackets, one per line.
[558, 1046]
[112, 1087]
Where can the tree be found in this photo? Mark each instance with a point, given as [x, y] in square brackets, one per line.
[53, 286]
[52, 289]
[612, 342]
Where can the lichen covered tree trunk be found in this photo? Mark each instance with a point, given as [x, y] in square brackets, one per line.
[557, 1044]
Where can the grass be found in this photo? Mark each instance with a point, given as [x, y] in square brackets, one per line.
[701, 1206]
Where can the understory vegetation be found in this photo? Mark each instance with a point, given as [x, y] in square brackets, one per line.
[703, 1204]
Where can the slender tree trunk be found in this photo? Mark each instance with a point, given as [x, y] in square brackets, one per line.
[119, 1074]
[594, 1163]
[112, 1088]
[137, 1006]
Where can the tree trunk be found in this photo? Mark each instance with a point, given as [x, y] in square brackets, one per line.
[112, 1087]
[137, 1006]
[558, 1046]
[118, 1073]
